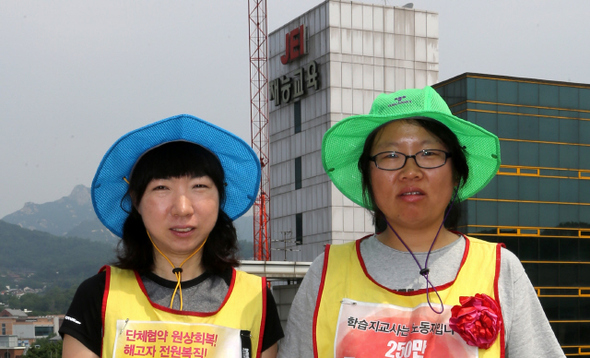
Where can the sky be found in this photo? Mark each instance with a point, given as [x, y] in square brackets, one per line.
[76, 75]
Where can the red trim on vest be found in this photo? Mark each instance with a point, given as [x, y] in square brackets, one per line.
[186, 313]
[497, 294]
[259, 353]
[411, 293]
[105, 295]
[318, 301]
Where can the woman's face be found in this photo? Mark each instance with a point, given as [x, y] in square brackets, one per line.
[410, 197]
[179, 213]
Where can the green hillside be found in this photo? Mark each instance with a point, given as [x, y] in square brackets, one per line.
[36, 259]
[52, 266]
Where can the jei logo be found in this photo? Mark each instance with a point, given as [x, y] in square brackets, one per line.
[294, 45]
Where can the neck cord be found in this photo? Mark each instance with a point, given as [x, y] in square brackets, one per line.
[177, 271]
[425, 271]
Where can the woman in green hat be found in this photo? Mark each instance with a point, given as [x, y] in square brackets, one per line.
[171, 191]
[416, 288]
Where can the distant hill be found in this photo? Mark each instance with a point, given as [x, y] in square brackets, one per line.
[70, 216]
[37, 259]
[73, 216]
[93, 230]
[52, 247]
[49, 268]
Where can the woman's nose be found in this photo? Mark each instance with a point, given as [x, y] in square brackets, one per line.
[182, 206]
[411, 169]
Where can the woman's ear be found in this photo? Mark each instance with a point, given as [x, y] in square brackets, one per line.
[134, 202]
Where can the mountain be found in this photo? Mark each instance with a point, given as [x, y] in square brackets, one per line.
[36, 259]
[51, 248]
[47, 269]
[94, 230]
[73, 216]
[70, 216]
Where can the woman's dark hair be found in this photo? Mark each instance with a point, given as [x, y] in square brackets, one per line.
[459, 162]
[173, 160]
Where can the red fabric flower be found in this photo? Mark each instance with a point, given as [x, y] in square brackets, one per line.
[477, 320]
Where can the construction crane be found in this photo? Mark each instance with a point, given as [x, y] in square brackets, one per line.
[257, 26]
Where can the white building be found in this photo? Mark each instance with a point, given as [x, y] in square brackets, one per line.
[325, 65]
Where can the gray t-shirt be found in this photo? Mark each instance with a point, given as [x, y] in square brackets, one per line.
[528, 333]
[206, 296]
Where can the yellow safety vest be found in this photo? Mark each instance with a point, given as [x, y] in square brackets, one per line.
[347, 287]
[125, 300]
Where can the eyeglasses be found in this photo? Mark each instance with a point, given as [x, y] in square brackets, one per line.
[426, 159]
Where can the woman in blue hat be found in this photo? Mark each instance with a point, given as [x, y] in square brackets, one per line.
[416, 288]
[171, 190]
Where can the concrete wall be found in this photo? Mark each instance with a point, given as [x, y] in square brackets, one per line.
[361, 50]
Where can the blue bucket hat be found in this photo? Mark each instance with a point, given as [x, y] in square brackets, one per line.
[240, 164]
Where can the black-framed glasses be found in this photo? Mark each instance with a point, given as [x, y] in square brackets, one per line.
[426, 159]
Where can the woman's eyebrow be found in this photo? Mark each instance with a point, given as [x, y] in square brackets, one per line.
[393, 143]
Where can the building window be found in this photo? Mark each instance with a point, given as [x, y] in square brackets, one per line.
[298, 229]
[297, 173]
[297, 116]
[43, 331]
[3, 329]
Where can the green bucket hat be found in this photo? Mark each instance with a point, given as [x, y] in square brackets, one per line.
[343, 143]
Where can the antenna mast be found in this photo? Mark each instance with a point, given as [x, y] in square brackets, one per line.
[257, 26]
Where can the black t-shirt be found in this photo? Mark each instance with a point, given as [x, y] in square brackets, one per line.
[84, 318]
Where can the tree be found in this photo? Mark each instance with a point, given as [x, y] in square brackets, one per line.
[44, 348]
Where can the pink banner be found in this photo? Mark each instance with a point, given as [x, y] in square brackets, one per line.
[382, 330]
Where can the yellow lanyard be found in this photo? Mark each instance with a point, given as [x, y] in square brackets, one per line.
[177, 271]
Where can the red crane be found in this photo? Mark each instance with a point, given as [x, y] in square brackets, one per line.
[257, 26]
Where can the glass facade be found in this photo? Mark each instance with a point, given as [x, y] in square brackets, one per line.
[539, 203]
[43, 331]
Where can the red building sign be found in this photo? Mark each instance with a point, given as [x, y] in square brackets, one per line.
[294, 45]
[285, 89]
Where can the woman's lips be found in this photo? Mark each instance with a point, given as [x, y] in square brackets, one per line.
[412, 193]
[182, 229]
